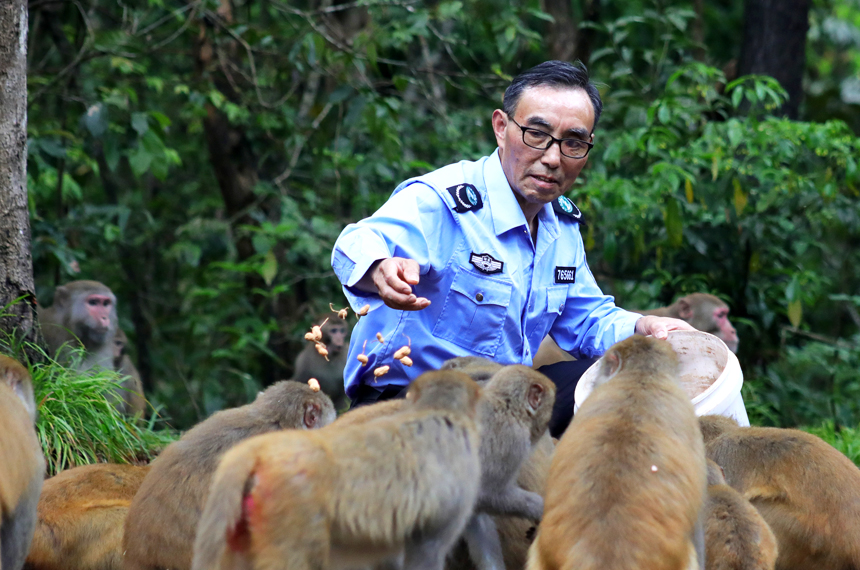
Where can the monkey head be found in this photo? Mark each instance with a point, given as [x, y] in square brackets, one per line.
[709, 314]
[478, 368]
[89, 308]
[643, 354]
[445, 389]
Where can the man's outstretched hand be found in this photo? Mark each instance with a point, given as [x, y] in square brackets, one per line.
[393, 279]
[659, 327]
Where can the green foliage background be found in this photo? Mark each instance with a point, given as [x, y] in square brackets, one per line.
[693, 184]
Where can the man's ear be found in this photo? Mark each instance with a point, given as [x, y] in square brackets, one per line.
[500, 123]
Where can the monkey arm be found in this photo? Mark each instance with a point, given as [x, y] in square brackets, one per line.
[513, 501]
[482, 540]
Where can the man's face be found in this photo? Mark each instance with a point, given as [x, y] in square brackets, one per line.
[541, 176]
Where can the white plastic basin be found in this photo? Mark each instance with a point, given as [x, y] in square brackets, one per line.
[710, 374]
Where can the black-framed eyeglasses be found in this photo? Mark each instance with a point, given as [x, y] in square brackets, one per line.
[571, 148]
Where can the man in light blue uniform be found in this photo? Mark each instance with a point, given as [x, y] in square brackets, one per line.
[485, 258]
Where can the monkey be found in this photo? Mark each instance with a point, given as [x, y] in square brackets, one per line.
[397, 490]
[22, 465]
[713, 426]
[628, 478]
[513, 411]
[736, 537]
[703, 311]
[806, 491]
[478, 368]
[130, 400]
[162, 519]
[81, 515]
[329, 373]
[83, 314]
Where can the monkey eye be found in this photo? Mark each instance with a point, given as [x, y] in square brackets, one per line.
[93, 302]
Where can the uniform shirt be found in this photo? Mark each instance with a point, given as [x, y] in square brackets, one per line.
[494, 292]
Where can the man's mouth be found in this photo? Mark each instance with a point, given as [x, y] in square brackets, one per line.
[544, 179]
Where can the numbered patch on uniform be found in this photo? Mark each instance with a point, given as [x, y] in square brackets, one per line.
[486, 263]
[466, 198]
[563, 205]
[565, 274]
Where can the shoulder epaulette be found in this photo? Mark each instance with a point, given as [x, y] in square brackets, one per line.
[563, 206]
[466, 198]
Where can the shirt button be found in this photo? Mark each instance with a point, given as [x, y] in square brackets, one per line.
[479, 297]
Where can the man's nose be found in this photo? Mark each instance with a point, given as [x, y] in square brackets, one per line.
[552, 156]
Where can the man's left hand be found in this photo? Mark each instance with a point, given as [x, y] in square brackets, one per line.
[659, 327]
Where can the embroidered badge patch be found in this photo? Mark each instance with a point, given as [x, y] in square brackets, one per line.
[563, 205]
[565, 274]
[486, 263]
[466, 198]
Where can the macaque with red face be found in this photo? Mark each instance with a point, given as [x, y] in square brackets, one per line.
[704, 312]
[83, 314]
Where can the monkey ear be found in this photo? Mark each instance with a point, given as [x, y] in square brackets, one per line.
[535, 395]
[313, 413]
[61, 296]
[685, 310]
[612, 365]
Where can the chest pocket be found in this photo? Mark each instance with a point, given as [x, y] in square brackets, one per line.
[474, 312]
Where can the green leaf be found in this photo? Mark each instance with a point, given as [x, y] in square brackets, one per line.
[795, 313]
[688, 189]
[674, 225]
[737, 95]
[96, 120]
[740, 197]
[140, 123]
[269, 268]
[139, 160]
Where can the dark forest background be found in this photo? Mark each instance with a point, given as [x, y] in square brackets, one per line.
[201, 157]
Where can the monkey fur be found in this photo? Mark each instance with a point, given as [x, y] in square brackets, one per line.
[81, 515]
[806, 491]
[628, 478]
[397, 489]
[162, 521]
[736, 537]
[22, 466]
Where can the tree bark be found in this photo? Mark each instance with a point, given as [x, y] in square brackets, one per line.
[586, 36]
[562, 32]
[774, 44]
[17, 295]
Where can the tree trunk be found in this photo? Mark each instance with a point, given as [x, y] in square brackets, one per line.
[587, 36]
[16, 266]
[562, 32]
[774, 44]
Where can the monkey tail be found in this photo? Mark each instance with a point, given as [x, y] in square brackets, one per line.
[223, 532]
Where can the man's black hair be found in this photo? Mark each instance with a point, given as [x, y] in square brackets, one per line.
[553, 74]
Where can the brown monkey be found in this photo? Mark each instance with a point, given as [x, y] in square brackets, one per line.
[513, 414]
[22, 466]
[713, 426]
[81, 514]
[478, 368]
[130, 393]
[513, 411]
[736, 537]
[159, 530]
[806, 491]
[310, 364]
[704, 312]
[83, 314]
[628, 478]
[398, 489]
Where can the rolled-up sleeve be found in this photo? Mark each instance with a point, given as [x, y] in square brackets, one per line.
[398, 229]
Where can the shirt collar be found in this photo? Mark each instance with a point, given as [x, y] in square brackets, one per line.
[504, 208]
